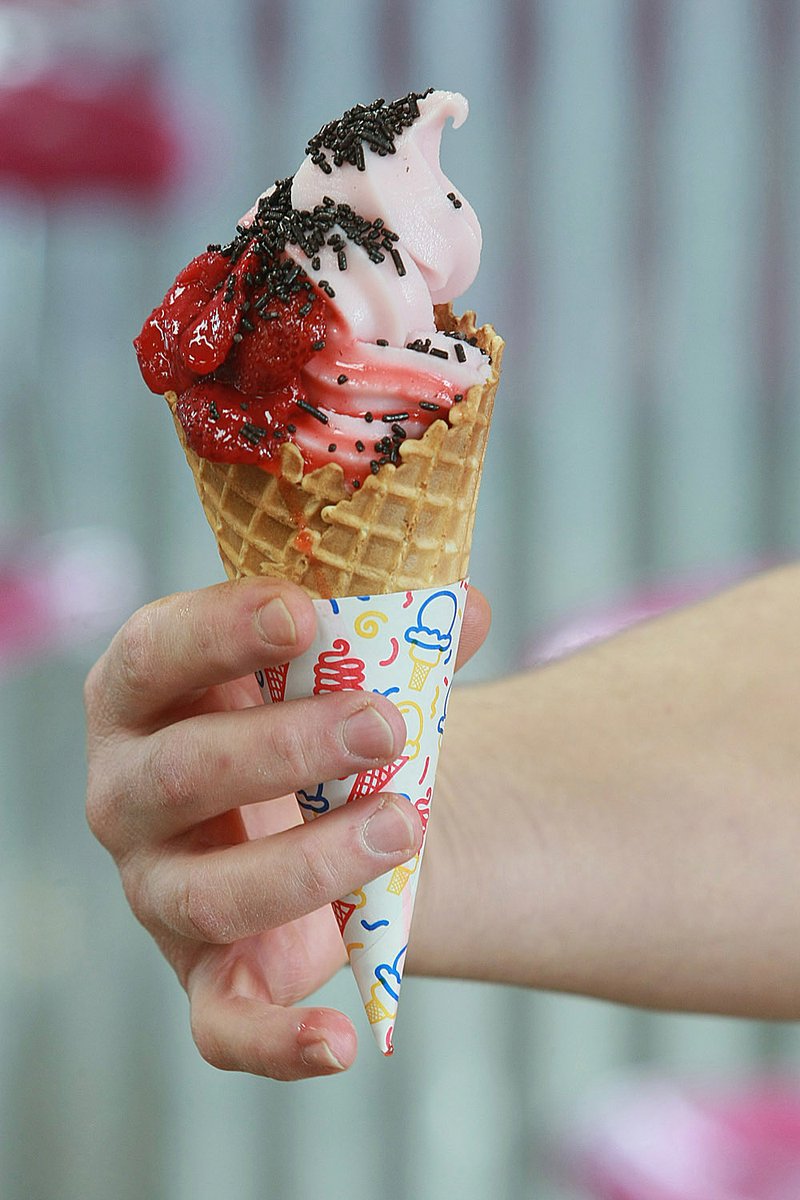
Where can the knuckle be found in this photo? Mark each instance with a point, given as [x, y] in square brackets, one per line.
[199, 911]
[210, 635]
[171, 771]
[318, 875]
[293, 748]
[137, 892]
[135, 648]
[91, 689]
[100, 721]
[210, 1046]
[98, 810]
[101, 807]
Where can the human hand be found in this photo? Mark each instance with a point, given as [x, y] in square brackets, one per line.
[190, 782]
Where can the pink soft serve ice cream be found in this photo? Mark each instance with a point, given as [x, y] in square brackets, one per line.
[316, 324]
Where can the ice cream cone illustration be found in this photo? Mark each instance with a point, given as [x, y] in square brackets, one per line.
[274, 678]
[424, 658]
[431, 636]
[401, 875]
[376, 779]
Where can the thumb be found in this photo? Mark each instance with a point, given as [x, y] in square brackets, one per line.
[477, 619]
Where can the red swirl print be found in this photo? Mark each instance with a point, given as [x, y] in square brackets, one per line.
[423, 807]
[387, 662]
[335, 672]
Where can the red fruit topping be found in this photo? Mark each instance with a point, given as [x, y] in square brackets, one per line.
[159, 345]
[206, 342]
[284, 336]
[224, 426]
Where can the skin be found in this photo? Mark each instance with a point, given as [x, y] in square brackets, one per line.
[635, 806]
[646, 827]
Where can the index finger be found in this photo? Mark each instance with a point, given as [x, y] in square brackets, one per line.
[172, 650]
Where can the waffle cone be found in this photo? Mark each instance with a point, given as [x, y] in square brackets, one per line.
[407, 527]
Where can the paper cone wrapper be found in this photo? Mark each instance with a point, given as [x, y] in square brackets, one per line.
[402, 645]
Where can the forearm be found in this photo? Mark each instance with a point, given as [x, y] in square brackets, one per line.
[626, 823]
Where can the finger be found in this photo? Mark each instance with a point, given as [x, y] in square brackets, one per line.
[242, 1033]
[223, 895]
[175, 648]
[205, 766]
[477, 619]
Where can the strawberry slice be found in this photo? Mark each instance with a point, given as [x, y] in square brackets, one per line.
[222, 425]
[158, 347]
[282, 340]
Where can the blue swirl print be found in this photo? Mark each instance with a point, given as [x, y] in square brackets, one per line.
[393, 972]
[443, 717]
[315, 802]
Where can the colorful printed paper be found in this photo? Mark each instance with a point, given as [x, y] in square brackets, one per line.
[402, 645]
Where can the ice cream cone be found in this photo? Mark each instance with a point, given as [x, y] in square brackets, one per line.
[250, 356]
[407, 527]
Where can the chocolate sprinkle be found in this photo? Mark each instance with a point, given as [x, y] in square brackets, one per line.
[373, 125]
[276, 226]
[429, 406]
[435, 352]
[341, 379]
[460, 352]
[252, 433]
[314, 412]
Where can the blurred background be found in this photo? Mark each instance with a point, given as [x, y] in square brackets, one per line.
[636, 167]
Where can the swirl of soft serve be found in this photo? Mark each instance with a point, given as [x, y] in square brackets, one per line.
[439, 247]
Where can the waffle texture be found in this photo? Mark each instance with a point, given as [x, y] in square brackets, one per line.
[407, 527]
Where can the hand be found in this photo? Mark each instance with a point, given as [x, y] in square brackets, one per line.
[188, 780]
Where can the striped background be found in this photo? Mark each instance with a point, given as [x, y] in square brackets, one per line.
[635, 165]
